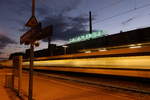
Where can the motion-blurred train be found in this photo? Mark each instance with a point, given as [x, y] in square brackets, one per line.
[131, 60]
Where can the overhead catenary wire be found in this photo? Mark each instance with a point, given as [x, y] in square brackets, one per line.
[128, 20]
[110, 5]
[123, 13]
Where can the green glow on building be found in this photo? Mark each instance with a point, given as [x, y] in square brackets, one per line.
[88, 36]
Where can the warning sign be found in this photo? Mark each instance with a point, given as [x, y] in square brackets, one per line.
[32, 22]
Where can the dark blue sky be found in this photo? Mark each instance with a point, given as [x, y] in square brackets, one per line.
[70, 18]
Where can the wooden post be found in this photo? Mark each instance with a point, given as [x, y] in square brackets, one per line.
[33, 7]
[17, 72]
[20, 76]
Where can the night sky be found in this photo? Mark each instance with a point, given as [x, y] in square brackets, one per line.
[69, 18]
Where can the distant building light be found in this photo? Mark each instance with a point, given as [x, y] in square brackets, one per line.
[64, 46]
[139, 44]
[65, 49]
[87, 51]
[103, 49]
[132, 45]
[135, 47]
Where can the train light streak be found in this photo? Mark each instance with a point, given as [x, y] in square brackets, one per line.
[132, 62]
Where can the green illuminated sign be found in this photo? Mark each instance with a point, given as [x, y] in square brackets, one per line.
[92, 35]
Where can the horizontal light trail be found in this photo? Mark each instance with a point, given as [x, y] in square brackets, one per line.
[130, 62]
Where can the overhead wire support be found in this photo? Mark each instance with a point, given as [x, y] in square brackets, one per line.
[90, 22]
[135, 4]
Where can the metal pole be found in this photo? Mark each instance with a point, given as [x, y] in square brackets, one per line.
[30, 91]
[49, 46]
[90, 21]
[33, 7]
[31, 72]
[64, 50]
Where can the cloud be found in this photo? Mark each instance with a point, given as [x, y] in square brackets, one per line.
[54, 13]
[56, 6]
[66, 27]
[4, 41]
[57, 14]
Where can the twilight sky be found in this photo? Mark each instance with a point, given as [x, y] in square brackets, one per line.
[69, 18]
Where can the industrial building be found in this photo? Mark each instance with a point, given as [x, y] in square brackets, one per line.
[123, 38]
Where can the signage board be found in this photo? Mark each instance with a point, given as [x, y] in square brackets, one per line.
[88, 36]
[35, 34]
[30, 36]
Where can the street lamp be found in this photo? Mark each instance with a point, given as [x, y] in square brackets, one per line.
[65, 49]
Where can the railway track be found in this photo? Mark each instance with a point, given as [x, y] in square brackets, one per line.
[102, 81]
